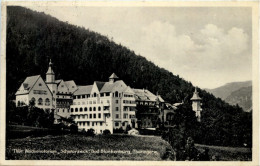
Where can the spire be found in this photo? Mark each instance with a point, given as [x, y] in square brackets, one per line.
[195, 95]
[50, 71]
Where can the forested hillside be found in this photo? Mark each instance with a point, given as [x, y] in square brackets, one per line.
[85, 56]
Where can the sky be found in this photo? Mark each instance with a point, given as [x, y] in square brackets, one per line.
[208, 46]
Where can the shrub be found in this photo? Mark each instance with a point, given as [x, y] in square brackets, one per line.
[106, 132]
[73, 128]
[90, 132]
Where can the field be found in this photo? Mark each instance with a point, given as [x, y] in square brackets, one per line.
[79, 147]
[228, 153]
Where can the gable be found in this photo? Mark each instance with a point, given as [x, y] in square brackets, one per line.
[95, 89]
[62, 88]
[40, 87]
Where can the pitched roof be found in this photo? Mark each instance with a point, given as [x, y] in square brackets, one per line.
[27, 85]
[146, 95]
[99, 84]
[83, 90]
[108, 87]
[58, 82]
[113, 76]
[195, 95]
[69, 84]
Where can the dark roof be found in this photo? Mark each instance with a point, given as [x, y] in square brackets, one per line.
[113, 76]
[27, 85]
[82, 90]
[100, 84]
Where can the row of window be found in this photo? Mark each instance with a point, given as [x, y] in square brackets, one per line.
[44, 92]
[40, 101]
[88, 124]
[87, 109]
[128, 102]
[116, 94]
[90, 116]
[90, 102]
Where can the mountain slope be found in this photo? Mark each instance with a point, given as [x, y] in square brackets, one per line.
[86, 56]
[224, 91]
[235, 93]
[242, 97]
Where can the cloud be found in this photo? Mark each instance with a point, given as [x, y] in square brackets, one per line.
[212, 52]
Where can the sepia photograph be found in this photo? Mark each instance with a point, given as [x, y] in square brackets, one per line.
[143, 82]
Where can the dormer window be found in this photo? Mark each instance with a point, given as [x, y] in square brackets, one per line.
[40, 84]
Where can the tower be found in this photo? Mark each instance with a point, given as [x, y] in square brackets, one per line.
[50, 81]
[112, 78]
[196, 104]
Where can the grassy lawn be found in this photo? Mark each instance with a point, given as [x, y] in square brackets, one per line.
[78, 147]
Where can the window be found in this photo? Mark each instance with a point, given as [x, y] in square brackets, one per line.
[62, 110]
[116, 94]
[47, 101]
[86, 116]
[117, 116]
[123, 124]
[80, 109]
[94, 116]
[94, 102]
[101, 123]
[19, 103]
[125, 116]
[40, 84]
[90, 116]
[62, 86]
[99, 115]
[71, 110]
[107, 94]
[117, 108]
[83, 96]
[99, 108]
[94, 108]
[92, 123]
[90, 108]
[40, 101]
[83, 123]
[85, 109]
[116, 124]
[116, 101]
[76, 109]
[83, 116]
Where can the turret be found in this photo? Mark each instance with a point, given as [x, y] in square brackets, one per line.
[196, 104]
[50, 81]
[113, 78]
[50, 76]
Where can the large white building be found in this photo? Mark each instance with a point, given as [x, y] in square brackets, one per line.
[104, 105]
[100, 106]
[50, 95]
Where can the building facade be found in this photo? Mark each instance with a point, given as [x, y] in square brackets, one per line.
[49, 95]
[104, 106]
